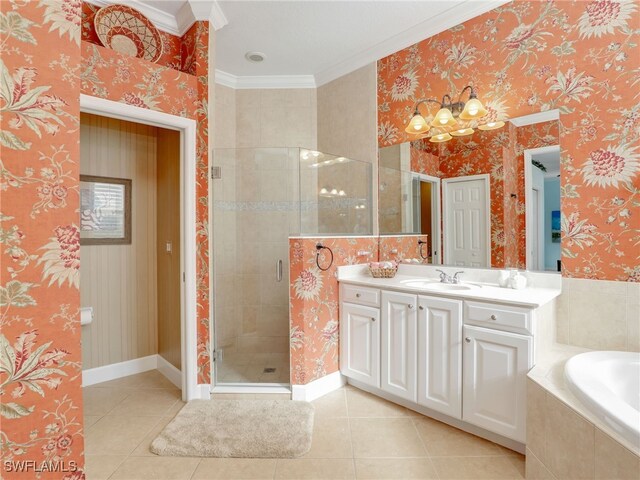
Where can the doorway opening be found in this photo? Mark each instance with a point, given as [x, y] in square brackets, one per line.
[542, 205]
[142, 291]
[426, 214]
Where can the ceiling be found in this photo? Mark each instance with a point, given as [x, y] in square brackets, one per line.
[311, 42]
[551, 161]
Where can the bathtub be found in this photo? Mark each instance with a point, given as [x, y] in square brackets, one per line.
[608, 384]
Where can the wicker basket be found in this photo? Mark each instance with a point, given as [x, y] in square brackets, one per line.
[383, 272]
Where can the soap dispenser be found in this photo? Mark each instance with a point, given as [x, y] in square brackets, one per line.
[518, 281]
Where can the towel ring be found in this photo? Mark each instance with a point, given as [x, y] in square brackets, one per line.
[320, 247]
[422, 243]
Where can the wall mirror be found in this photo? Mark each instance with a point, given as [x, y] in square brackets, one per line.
[489, 199]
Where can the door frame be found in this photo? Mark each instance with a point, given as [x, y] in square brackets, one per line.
[188, 299]
[436, 202]
[445, 210]
[528, 206]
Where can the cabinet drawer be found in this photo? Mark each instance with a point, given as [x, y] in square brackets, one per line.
[360, 295]
[500, 317]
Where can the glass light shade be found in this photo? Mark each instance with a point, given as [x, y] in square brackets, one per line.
[444, 118]
[323, 191]
[473, 110]
[417, 125]
[441, 137]
[491, 126]
[462, 132]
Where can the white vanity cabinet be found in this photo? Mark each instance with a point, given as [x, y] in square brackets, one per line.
[457, 353]
[440, 355]
[360, 342]
[398, 344]
[498, 353]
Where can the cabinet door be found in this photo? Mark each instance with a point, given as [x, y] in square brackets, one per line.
[495, 369]
[360, 343]
[398, 345]
[440, 355]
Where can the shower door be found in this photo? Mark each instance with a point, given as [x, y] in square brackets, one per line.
[255, 209]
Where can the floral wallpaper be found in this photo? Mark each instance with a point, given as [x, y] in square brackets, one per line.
[108, 74]
[400, 247]
[40, 371]
[313, 302]
[527, 56]
[43, 59]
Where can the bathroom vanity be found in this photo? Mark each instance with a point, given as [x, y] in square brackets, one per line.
[456, 352]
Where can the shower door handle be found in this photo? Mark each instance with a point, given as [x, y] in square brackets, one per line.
[279, 271]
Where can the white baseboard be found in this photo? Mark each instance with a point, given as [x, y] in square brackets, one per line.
[318, 388]
[203, 391]
[170, 371]
[119, 370]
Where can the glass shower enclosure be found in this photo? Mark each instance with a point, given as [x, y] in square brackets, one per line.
[261, 197]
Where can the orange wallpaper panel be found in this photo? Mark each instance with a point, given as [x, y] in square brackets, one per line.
[44, 67]
[313, 302]
[40, 371]
[526, 56]
[400, 247]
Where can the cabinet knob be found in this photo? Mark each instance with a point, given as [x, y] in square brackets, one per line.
[357, 295]
[410, 307]
[373, 319]
[420, 307]
[493, 317]
[467, 339]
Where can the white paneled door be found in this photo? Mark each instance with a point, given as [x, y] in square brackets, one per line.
[440, 355]
[467, 221]
[495, 373]
[398, 344]
[360, 345]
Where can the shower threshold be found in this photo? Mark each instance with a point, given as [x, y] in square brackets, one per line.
[251, 388]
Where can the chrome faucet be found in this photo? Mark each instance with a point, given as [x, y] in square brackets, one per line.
[445, 278]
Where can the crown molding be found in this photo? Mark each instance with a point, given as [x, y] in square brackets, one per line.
[538, 117]
[448, 19]
[178, 25]
[209, 10]
[264, 81]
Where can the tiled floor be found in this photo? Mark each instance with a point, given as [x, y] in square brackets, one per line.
[250, 368]
[356, 435]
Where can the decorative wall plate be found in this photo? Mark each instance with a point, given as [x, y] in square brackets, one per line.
[126, 30]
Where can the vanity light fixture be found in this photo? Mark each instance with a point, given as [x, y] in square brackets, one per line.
[446, 119]
[491, 126]
[331, 192]
[461, 132]
[441, 137]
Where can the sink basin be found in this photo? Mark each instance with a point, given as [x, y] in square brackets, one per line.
[418, 280]
[418, 283]
[436, 285]
[450, 286]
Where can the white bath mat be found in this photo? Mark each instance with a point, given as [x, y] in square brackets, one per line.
[238, 428]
